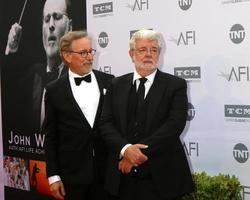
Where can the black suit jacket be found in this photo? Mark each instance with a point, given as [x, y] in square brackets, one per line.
[166, 119]
[70, 140]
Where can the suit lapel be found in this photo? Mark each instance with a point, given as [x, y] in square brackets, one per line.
[124, 89]
[100, 82]
[154, 97]
[69, 94]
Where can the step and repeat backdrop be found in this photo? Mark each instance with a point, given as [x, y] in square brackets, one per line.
[208, 44]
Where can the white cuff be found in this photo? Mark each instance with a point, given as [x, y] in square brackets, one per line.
[124, 149]
[53, 179]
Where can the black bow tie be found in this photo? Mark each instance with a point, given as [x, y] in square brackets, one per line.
[78, 80]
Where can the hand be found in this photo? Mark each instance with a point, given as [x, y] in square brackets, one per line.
[57, 190]
[134, 155]
[125, 166]
[13, 39]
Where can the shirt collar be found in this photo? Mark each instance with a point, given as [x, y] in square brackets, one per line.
[73, 75]
[150, 77]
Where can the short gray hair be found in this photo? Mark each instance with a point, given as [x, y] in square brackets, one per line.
[146, 34]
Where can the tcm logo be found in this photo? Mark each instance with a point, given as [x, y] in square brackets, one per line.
[237, 33]
[133, 31]
[103, 39]
[186, 38]
[185, 4]
[191, 112]
[139, 5]
[240, 153]
[188, 72]
[103, 8]
[106, 69]
[237, 111]
[192, 148]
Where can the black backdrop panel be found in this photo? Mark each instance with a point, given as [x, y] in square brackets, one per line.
[22, 143]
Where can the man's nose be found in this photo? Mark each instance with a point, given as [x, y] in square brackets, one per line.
[89, 56]
[148, 52]
[51, 24]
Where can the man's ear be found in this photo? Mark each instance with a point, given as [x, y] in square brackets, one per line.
[131, 54]
[67, 56]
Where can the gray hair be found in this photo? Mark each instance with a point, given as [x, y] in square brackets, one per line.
[146, 34]
[68, 38]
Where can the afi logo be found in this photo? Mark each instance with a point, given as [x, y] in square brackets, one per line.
[245, 192]
[186, 38]
[240, 153]
[140, 5]
[185, 4]
[106, 69]
[237, 33]
[239, 73]
[192, 148]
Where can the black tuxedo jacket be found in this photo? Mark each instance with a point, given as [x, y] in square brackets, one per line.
[166, 119]
[70, 140]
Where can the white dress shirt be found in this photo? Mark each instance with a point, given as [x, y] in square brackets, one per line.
[86, 95]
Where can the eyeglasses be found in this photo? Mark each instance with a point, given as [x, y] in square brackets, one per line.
[144, 51]
[85, 53]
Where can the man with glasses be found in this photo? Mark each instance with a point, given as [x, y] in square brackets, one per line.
[56, 22]
[144, 114]
[75, 152]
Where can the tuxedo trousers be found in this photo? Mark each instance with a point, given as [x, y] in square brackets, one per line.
[85, 192]
[134, 188]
